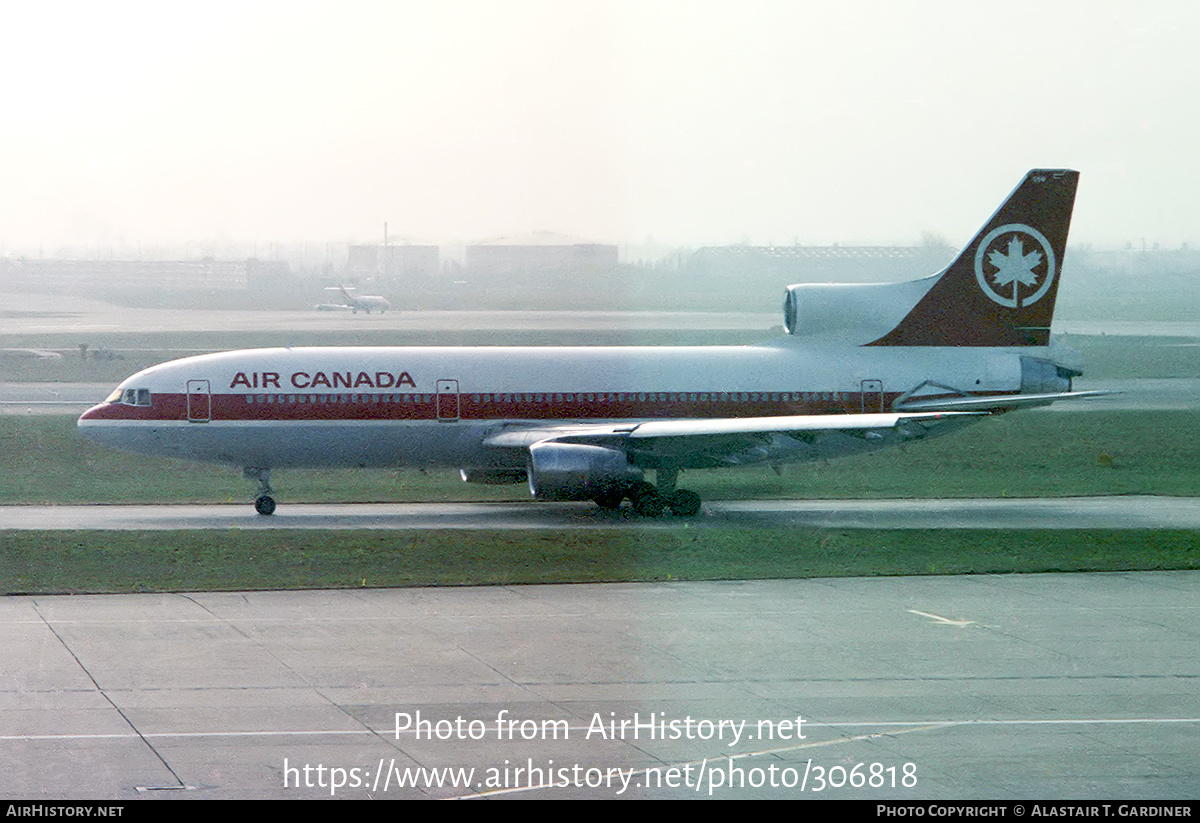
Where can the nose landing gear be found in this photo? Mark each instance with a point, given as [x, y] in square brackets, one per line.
[264, 503]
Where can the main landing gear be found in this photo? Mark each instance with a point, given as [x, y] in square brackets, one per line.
[264, 503]
[655, 501]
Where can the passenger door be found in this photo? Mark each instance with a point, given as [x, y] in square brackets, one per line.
[447, 400]
[872, 396]
[199, 401]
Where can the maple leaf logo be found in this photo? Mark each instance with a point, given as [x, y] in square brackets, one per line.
[1015, 266]
[1020, 278]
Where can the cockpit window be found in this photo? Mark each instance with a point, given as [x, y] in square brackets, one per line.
[130, 397]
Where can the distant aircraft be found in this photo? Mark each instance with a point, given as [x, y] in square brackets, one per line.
[355, 302]
[862, 367]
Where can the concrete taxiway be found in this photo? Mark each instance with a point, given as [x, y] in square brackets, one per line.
[1125, 512]
[1040, 686]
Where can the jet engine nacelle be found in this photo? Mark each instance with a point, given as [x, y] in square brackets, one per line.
[855, 313]
[569, 471]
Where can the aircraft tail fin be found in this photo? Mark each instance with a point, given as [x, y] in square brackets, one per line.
[1000, 290]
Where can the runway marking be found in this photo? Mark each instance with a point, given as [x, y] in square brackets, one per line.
[680, 612]
[945, 621]
[910, 728]
[704, 761]
[100, 690]
[902, 725]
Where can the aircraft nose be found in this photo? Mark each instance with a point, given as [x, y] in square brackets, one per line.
[91, 422]
[86, 420]
[94, 413]
[99, 424]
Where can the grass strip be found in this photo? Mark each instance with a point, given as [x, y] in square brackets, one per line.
[1026, 454]
[70, 562]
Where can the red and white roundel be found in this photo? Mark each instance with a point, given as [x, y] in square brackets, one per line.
[1015, 265]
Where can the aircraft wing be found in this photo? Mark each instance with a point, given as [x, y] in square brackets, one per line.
[710, 443]
[995, 403]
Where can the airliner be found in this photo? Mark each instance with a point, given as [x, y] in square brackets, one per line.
[364, 302]
[861, 367]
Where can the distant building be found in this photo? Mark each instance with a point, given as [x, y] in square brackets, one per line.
[539, 252]
[403, 262]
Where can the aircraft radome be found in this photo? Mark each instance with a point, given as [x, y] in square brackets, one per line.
[861, 367]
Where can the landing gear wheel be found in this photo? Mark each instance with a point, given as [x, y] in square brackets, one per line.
[649, 503]
[264, 503]
[684, 503]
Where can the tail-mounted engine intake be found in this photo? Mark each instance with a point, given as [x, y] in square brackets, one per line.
[854, 313]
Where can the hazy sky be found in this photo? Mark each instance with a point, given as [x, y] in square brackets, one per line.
[692, 122]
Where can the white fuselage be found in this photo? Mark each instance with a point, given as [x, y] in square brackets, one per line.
[277, 408]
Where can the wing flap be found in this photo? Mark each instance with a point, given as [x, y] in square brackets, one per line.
[745, 441]
[706, 443]
[997, 402]
[781, 425]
